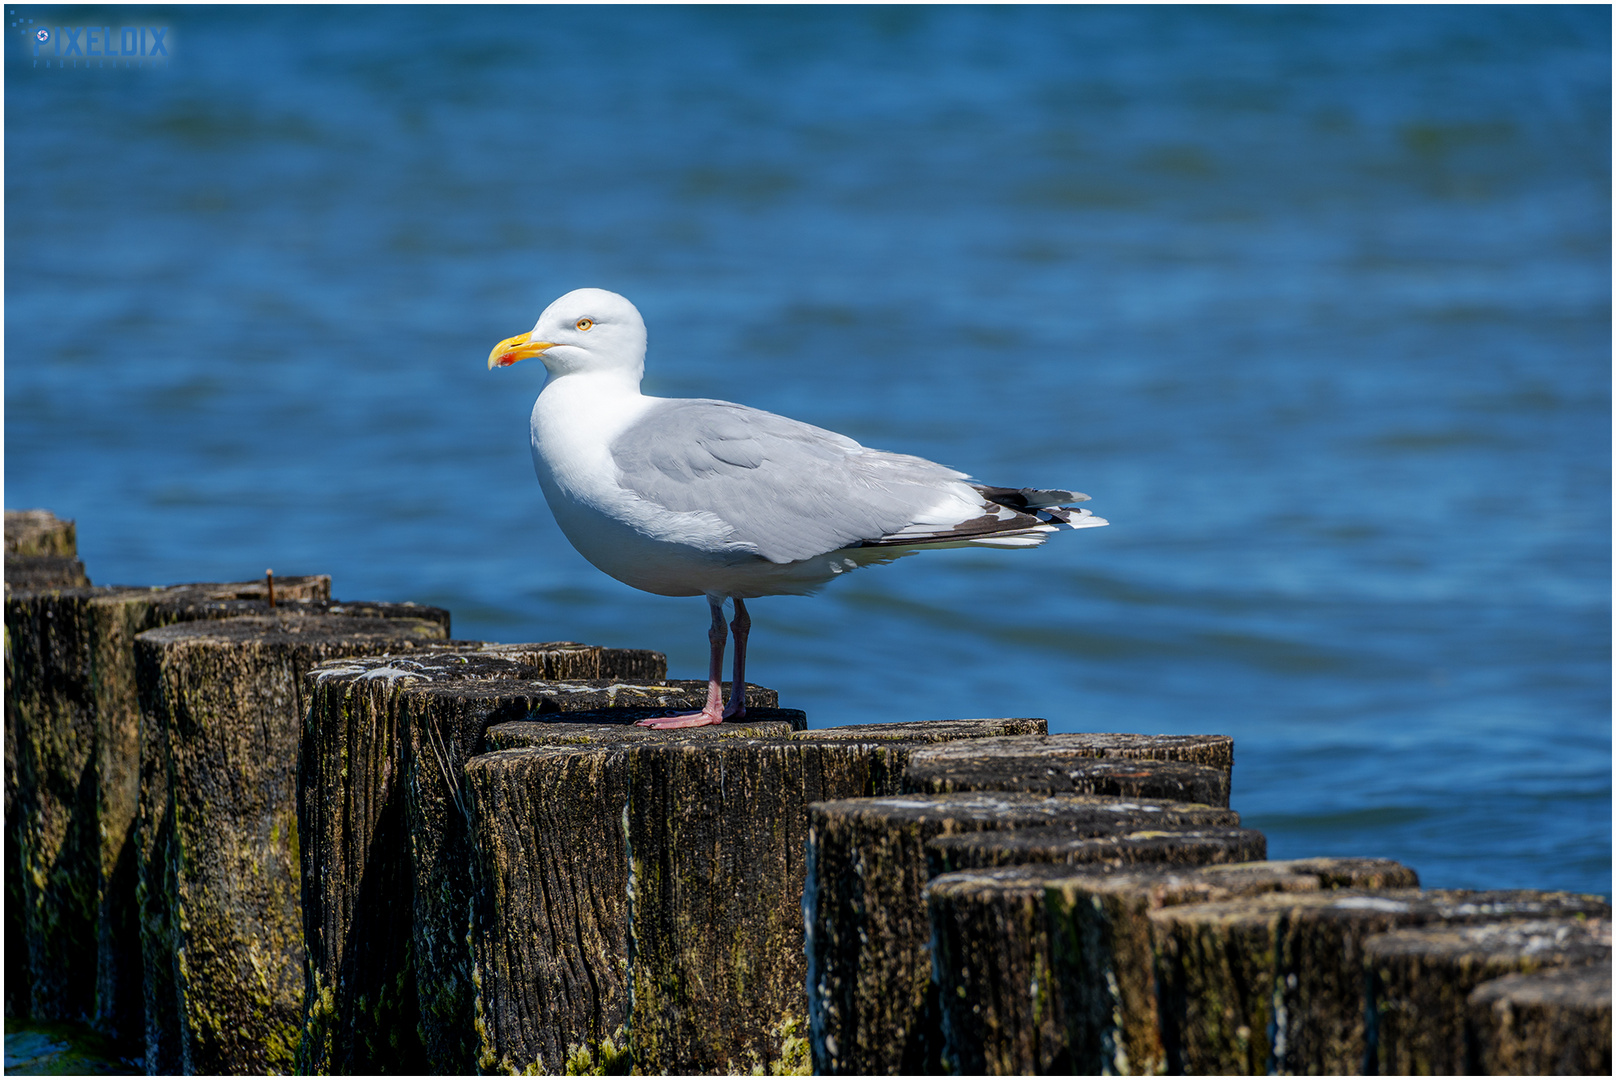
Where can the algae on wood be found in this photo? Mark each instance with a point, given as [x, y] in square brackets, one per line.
[72, 724]
[548, 805]
[551, 940]
[53, 848]
[1071, 764]
[1276, 982]
[1420, 980]
[37, 573]
[716, 821]
[1552, 1023]
[1023, 989]
[1103, 946]
[390, 743]
[871, 1000]
[1126, 847]
[933, 731]
[223, 704]
[1002, 1007]
[1213, 751]
[716, 837]
[453, 718]
[31, 533]
[42, 552]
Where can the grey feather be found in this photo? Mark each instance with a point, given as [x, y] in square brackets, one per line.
[788, 490]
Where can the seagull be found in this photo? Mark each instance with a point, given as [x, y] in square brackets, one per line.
[698, 497]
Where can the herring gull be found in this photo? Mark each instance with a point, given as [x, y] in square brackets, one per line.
[697, 497]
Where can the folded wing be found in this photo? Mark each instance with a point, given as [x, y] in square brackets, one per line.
[789, 491]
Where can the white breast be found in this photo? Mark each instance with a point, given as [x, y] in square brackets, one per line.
[573, 425]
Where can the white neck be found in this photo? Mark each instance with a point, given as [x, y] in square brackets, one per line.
[574, 423]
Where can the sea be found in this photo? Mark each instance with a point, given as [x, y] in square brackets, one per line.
[1315, 303]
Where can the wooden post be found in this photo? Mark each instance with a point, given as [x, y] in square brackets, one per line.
[1213, 751]
[222, 706]
[708, 875]
[1553, 1023]
[1047, 968]
[72, 789]
[1420, 980]
[1071, 765]
[1170, 847]
[1275, 983]
[551, 927]
[42, 552]
[871, 999]
[936, 731]
[716, 838]
[587, 727]
[391, 843]
[32, 533]
[551, 828]
[441, 838]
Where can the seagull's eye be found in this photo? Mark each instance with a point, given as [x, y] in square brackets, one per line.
[585, 324]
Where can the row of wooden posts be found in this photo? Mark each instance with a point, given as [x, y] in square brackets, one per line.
[246, 835]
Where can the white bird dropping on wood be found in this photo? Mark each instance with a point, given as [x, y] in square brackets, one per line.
[692, 496]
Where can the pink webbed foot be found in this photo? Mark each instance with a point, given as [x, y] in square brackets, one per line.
[683, 720]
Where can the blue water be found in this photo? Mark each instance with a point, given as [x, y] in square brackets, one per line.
[1314, 302]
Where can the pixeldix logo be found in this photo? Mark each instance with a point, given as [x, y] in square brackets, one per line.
[47, 45]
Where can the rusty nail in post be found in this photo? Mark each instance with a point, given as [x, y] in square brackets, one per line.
[269, 579]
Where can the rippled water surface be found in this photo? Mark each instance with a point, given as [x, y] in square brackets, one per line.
[1314, 302]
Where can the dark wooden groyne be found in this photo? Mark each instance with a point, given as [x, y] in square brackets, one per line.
[246, 835]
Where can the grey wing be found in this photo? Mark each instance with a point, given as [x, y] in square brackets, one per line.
[786, 489]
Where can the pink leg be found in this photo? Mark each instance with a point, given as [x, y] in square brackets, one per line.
[713, 711]
[737, 688]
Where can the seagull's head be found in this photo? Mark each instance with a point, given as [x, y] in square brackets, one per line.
[586, 330]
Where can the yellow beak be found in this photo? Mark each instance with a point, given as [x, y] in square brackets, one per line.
[515, 348]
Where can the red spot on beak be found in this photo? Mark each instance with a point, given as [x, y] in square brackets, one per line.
[505, 360]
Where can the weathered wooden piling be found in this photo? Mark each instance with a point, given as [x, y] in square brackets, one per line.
[33, 533]
[550, 930]
[551, 829]
[1421, 978]
[708, 891]
[1214, 751]
[1163, 847]
[1078, 765]
[922, 732]
[1551, 1023]
[445, 749]
[1275, 983]
[441, 725]
[42, 552]
[586, 727]
[1104, 943]
[1049, 968]
[554, 830]
[72, 737]
[715, 835]
[872, 1003]
[389, 853]
[716, 839]
[222, 706]
[489, 867]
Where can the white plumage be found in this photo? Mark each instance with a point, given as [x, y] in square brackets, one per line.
[688, 497]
